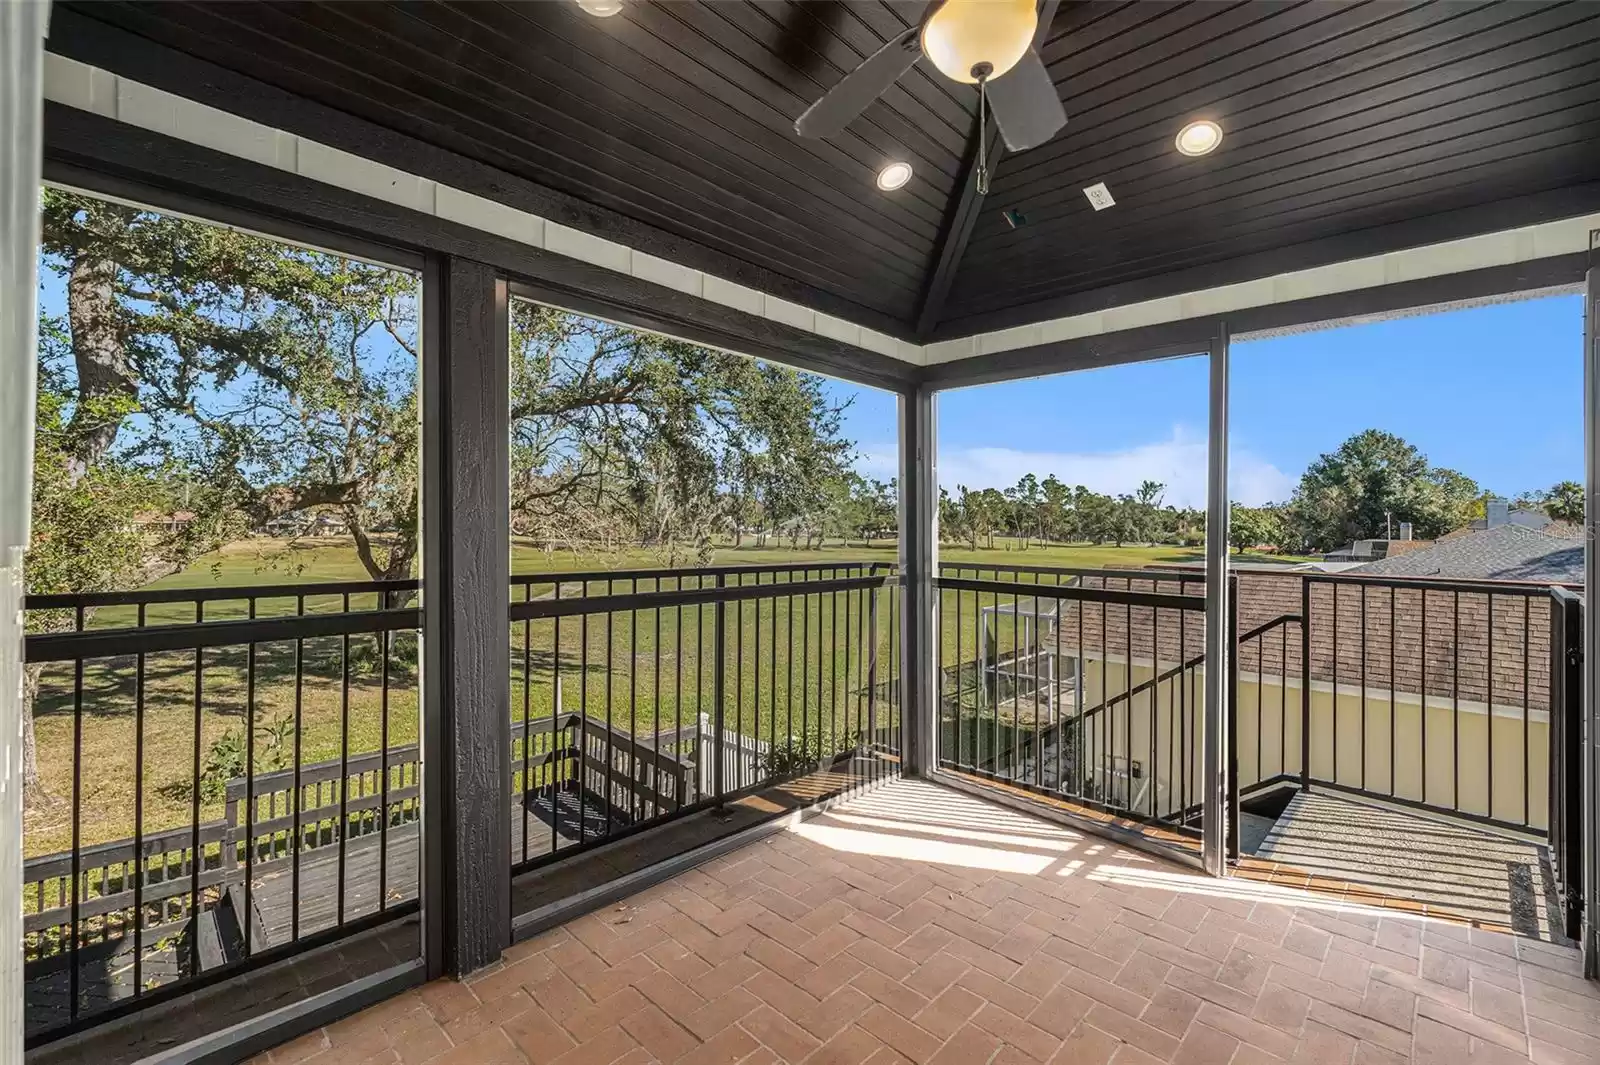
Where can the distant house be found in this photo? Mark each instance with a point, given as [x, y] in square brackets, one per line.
[1360, 551]
[329, 524]
[303, 523]
[1498, 512]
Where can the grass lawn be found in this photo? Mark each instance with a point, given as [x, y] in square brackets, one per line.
[790, 671]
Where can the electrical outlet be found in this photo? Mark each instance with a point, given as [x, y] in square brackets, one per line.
[1099, 196]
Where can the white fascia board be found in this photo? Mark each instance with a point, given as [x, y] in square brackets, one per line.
[88, 88]
[1503, 248]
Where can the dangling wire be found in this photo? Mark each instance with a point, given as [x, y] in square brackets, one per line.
[983, 137]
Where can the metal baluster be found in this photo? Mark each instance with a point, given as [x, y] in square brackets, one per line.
[805, 669]
[75, 932]
[138, 820]
[555, 765]
[1394, 686]
[719, 694]
[772, 699]
[1488, 734]
[1335, 711]
[299, 795]
[344, 759]
[1455, 702]
[1423, 687]
[249, 786]
[1363, 687]
[581, 771]
[611, 676]
[527, 717]
[385, 639]
[738, 686]
[635, 807]
[1155, 700]
[655, 768]
[1527, 765]
[196, 855]
[755, 681]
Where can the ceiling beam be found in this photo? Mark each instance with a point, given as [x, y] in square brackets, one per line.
[963, 213]
[960, 219]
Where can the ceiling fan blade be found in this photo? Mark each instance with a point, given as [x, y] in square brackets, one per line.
[861, 86]
[1025, 104]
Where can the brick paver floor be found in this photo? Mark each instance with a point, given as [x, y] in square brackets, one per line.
[917, 924]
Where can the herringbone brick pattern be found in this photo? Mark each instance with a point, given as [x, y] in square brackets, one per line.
[916, 924]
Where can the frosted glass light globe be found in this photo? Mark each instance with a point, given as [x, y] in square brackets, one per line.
[964, 34]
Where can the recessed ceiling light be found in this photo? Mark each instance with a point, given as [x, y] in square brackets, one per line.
[601, 8]
[894, 176]
[1199, 138]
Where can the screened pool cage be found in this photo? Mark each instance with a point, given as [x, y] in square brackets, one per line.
[1022, 661]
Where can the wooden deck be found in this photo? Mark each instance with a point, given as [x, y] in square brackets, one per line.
[106, 969]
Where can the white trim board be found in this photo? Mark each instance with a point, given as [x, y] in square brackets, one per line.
[89, 88]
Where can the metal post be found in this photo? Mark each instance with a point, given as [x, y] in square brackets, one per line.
[919, 560]
[466, 712]
[22, 30]
[1233, 717]
[719, 688]
[1213, 746]
[1589, 745]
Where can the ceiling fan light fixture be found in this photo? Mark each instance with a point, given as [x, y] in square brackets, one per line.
[964, 36]
[894, 176]
[601, 8]
[1200, 137]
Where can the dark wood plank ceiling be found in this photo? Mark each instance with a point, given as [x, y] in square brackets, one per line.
[1338, 118]
[1350, 127]
[680, 115]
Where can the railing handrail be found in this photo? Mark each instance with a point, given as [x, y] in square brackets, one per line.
[1171, 575]
[610, 604]
[232, 592]
[1077, 593]
[189, 636]
[1197, 660]
[591, 576]
[1436, 584]
[246, 592]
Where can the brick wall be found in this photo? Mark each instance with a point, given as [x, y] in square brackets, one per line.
[1422, 637]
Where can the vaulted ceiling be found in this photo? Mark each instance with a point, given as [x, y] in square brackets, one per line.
[1350, 129]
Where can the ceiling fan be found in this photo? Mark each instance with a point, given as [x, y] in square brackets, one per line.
[987, 43]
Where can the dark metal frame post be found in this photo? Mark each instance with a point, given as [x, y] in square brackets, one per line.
[1589, 744]
[1218, 635]
[466, 732]
[919, 563]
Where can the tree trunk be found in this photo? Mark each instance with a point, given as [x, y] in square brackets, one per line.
[33, 793]
[99, 358]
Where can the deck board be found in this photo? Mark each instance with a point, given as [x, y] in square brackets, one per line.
[1492, 877]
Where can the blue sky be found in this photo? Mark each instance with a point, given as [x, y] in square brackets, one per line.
[1495, 392]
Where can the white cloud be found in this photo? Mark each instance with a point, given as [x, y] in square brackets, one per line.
[1179, 462]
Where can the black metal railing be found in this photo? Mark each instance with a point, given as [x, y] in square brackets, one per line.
[1086, 685]
[222, 783]
[232, 774]
[710, 683]
[1429, 693]
[1076, 683]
